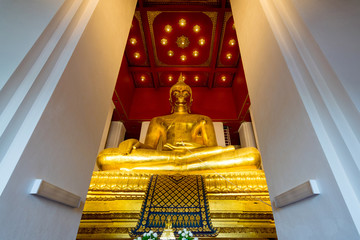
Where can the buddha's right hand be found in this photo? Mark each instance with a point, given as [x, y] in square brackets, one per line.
[127, 146]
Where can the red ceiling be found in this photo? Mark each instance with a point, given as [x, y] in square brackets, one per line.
[196, 38]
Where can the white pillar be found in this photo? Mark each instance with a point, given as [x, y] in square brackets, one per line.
[300, 62]
[61, 61]
[107, 128]
[116, 134]
[143, 131]
[246, 133]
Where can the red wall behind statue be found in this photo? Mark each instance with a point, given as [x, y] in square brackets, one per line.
[217, 103]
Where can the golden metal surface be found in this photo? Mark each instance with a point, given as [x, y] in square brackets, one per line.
[178, 143]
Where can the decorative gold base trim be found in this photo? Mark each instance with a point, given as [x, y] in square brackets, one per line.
[236, 205]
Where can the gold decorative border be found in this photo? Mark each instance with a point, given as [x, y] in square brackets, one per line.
[247, 230]
[244, 183]
[138, 17]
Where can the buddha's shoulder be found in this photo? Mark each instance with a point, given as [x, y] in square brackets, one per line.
[200, 117]
[171, 117]
[158, 119]
[197, 117]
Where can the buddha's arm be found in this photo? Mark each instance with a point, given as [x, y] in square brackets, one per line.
[128, 145]
[156, 133]
[204, 132]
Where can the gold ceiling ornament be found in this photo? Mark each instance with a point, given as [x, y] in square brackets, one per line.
[151, 16]
[182, 42]
[195, 53]
[229, 56]
[223, 78]
[170, 53]
[196, 78]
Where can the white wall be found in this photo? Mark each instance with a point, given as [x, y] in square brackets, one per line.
[298, 133]
[64, 136]
[21, 23]
[323, 18]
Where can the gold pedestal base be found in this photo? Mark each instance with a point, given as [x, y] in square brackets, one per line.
[239, 205]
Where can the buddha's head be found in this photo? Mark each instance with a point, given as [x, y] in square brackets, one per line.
[180, 96]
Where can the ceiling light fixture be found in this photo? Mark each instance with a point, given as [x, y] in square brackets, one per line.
[170, 53]
[229, 56]
[182, 22]
[201, 41]
[164, 41]
[142, 78]
[232, 42]
[137, 55]
[196, 28]
[196, 78]
[223, 78]
[133, 41]
[195, 53]
[183, 57]
[168, 28]
[170, 78]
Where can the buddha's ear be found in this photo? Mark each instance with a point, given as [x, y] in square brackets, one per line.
[191, 100]
[172, 105]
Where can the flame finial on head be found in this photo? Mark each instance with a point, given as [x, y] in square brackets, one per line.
[181, 78]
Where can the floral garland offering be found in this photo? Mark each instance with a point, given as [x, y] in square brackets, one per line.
[186, 235]
[148, 236]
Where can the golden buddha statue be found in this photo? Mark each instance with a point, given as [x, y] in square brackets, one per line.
[168, 233]
[178, 143]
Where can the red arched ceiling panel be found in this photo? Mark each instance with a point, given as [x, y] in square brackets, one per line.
[182, 38]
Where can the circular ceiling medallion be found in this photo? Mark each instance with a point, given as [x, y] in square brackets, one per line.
[182, 42]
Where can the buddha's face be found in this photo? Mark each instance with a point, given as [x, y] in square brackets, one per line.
[180, 97]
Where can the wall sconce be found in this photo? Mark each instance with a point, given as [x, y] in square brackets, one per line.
[54, 193]
[298, 193]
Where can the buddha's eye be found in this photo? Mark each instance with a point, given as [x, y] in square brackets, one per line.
[176, 93]
[186, 93]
